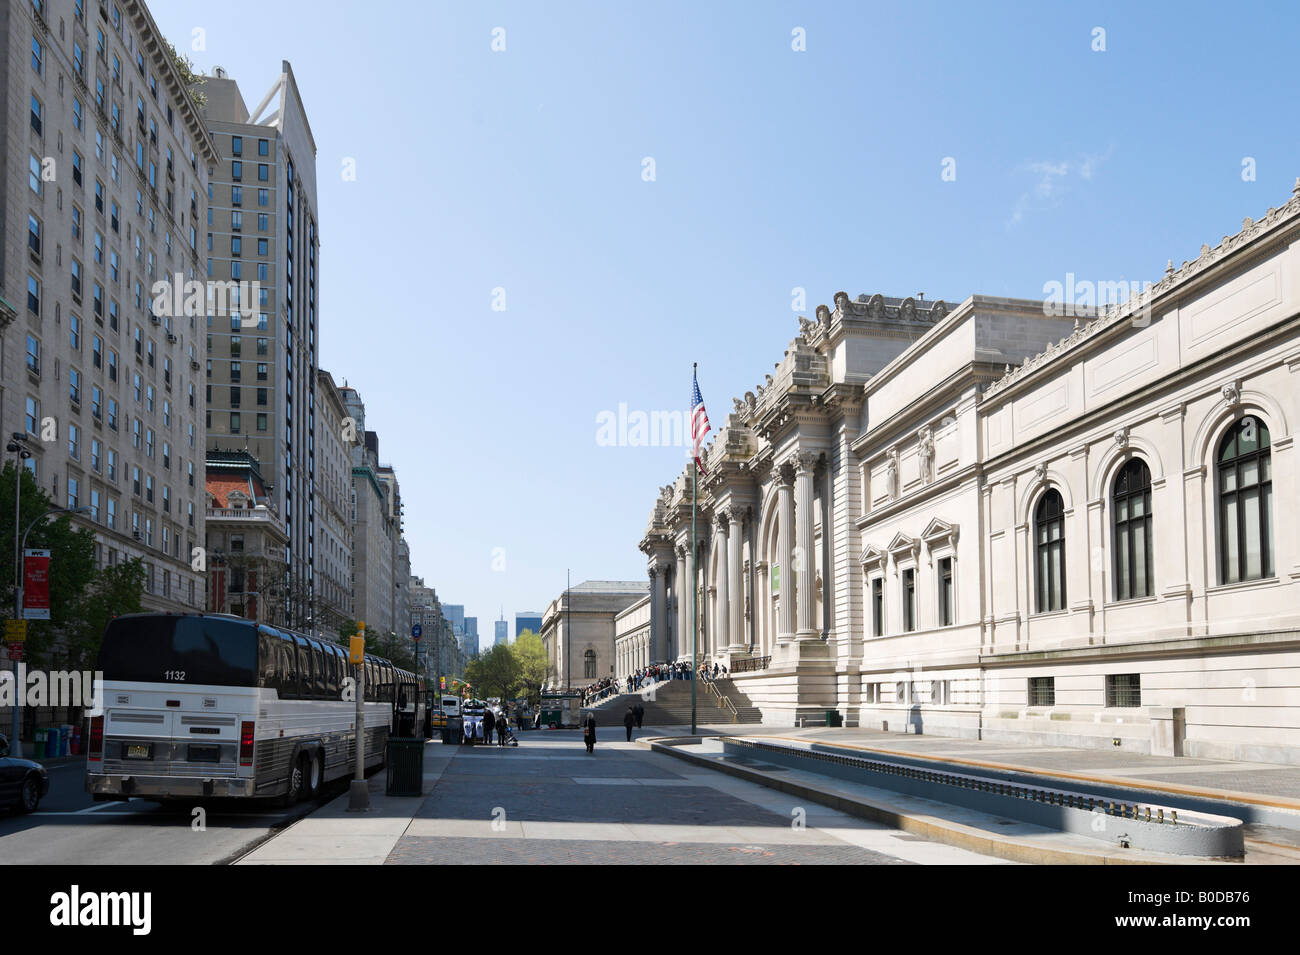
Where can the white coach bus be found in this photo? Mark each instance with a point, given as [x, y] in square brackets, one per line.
[201, 705]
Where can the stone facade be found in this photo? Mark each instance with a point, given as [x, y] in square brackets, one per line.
[578, 630]
[1070, 527]
[103, 194]
[333, 489]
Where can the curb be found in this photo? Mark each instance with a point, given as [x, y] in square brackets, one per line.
[930, 827]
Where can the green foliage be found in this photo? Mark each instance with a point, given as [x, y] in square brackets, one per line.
[185, 67]
[533, 665]
[494, 672]
[82, 600]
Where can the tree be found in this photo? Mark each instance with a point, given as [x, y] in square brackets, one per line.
[495, 672]
[534, 668]
[72, 559]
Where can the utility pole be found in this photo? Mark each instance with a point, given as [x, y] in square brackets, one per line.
[358, 794]
[568, 629]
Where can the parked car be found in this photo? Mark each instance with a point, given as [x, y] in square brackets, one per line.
[23, 782]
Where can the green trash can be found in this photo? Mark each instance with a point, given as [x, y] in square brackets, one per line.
[833, 718]
[405, 767]
[38, 745]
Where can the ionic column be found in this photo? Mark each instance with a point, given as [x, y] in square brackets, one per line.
[722, 624]
[785, 551]
[805, 462]
[681, 584]
[736, 619]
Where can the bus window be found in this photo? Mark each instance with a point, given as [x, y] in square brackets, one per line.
[319, 678]
[336, 670]
[288, 668]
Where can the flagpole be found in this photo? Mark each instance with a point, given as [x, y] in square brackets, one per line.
[695, 472]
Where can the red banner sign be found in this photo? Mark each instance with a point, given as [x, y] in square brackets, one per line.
[36, 584]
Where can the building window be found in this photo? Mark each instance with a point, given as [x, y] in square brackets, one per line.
[1042, 691]
[945, 592]
[1123, 689]
[1131, 503]
[589, 665]
[1245, 503]
[878, 606]
[1049, 551]
[909, 599]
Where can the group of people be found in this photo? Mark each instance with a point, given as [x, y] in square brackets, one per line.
[599, 690]
[632, 719]
[712, 673]
[494, 721]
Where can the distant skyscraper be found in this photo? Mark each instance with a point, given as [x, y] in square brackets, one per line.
[456, 614]
[528, 620]
[471, 628]
[502, 632]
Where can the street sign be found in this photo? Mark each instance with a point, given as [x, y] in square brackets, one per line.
[15, 631]
[16, 652]
[416, 632]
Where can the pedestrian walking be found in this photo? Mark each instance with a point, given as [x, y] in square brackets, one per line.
[489, 724]
[502, 728]
[589, 732]
[640, 714]
[629, 721]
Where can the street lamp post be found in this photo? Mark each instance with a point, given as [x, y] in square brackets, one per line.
[16, 747]
[17, 445]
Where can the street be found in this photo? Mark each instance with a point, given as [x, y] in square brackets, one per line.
[70, 828]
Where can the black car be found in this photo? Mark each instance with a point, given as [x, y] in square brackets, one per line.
[23, 782]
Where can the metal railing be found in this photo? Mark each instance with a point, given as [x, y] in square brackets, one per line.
[750, 665]
[1041, 794]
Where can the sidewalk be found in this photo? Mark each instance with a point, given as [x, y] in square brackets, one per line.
[335, 836]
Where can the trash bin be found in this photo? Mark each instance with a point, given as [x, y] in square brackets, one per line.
[38, 745]
[833, 718]
[451, 733]
[405, 767]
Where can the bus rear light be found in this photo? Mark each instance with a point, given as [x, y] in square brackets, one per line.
[96, 752]
[246, 743]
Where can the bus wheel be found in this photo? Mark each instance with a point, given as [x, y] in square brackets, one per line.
[315, 774]
[297, 775]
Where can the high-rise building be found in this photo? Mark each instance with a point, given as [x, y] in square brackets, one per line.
[502, 634]
[373, 531]
[455, 614]
[333, 487]
[528, 620]
[261, 366]
[470, 638]
[104, 199]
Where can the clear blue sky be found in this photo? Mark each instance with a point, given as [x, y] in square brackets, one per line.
[775, 169]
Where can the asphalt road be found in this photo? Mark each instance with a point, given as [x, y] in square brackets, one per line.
[70, 828]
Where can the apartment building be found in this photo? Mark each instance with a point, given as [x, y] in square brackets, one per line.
[104, 171]
[261, 364]
[333, 505]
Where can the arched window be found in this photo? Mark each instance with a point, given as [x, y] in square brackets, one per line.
[589, 665]
[1131, 505]
[1245, 503]
[1049, 551]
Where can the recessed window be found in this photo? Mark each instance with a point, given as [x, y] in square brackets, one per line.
[1049, 551]
[945, 592]
[1245, 502]
[1123, 689]
[1042, 691]
[1131, 505]
[909, 599]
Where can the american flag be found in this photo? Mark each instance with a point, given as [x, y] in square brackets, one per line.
[699, 421]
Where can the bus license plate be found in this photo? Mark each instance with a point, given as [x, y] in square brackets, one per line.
[139, 751]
